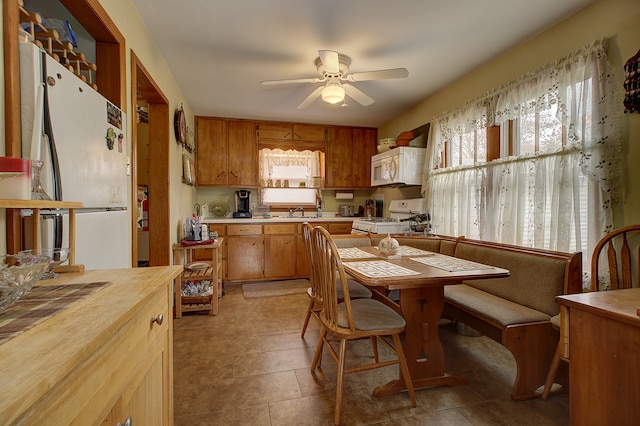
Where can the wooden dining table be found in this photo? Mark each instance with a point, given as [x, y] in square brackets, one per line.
[421, 288]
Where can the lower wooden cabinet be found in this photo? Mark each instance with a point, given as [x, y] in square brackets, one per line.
[245, 258]
[258, 251]
[280, 251]
[105, 359]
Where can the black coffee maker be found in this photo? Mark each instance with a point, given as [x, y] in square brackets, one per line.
[243, 204]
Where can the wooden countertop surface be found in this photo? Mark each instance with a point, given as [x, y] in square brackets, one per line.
[275, 219]
[32, 362]
[619, 305]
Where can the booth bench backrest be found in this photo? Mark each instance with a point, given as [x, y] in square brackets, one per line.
[536, 276]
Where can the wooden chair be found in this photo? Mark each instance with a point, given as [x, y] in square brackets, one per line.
[356, 290]
[611, 269]
[349, 319]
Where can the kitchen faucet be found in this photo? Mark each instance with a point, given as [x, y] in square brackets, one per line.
[292, 211]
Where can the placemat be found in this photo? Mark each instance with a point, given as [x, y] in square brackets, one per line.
[378, 269]
[40, 303]
[451, 264]
[355, 253]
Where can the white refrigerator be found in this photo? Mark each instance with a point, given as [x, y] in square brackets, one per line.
[81, 138]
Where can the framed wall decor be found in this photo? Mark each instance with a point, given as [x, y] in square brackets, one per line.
[188, 170]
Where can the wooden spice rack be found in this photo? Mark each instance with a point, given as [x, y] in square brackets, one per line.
[36, 206]
[62, 52]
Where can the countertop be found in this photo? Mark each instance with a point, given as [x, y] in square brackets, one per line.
[326, 217]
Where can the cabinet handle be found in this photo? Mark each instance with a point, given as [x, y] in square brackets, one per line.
[233, 174]
[159, 319]
[220, 174]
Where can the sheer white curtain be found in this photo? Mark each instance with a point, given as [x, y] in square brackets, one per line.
[272, 159]
[559, 200]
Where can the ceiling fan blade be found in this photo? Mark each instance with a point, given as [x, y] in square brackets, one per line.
[309, 99]
[292, 81]
[330, 61]
[358, 95]
[378, 75]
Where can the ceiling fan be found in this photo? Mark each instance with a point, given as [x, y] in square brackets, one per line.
[333, 68]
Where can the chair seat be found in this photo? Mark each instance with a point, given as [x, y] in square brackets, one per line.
[356, 290]
[370, 315]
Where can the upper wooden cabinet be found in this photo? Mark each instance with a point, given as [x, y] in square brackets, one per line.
[363, 148]
[348, 157]
[309, 132]
[277, 131]
[227, 152]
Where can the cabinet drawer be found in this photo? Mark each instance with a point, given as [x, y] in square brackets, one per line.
[340, 227]
[244, 229]
[220, 229]
[325, 225]
[288, 228]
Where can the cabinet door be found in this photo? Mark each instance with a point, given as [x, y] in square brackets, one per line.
[364, 147]
[302, 262]
[309, 132]
[143, 401]
[277, 131]
[245, 256]
[211, 157]
[243, 154]
[338, 158]
[280, 256]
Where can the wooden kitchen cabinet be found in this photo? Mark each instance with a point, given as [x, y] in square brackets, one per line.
[243, 154]
[212, 151]
[106, 358]
[338, 154]
[280, 250]
[309, 132]
[227, 152]
[348, 154]
[604, 343]
[364, 147]
[275, 130]
[245, 252]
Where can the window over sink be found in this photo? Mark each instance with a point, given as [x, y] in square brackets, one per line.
[290, 177]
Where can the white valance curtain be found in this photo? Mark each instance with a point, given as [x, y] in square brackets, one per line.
[271, 158]
[535, 199]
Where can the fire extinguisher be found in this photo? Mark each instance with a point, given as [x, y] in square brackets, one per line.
[145, 213]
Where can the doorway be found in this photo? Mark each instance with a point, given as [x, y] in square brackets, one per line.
[146, 92]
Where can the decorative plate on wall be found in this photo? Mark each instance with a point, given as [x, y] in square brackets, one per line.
[180, 126]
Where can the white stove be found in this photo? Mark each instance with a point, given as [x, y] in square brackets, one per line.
[398, 209]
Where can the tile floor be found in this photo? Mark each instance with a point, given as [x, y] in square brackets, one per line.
[249, 366]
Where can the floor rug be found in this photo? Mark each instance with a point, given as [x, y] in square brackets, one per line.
[274, 288]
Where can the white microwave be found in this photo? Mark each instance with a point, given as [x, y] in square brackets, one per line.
[398, 166]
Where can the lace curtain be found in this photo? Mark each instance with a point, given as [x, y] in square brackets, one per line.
[275, 158]
[557, 200]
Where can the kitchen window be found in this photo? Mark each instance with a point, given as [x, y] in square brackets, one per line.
[558, 134]
[289, 178]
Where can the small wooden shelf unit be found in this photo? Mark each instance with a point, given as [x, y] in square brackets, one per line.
[36, 206]
[184, 256]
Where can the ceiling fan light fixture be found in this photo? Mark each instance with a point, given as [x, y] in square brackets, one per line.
[333, 94]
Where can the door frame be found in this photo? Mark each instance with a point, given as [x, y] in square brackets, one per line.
[159, 124]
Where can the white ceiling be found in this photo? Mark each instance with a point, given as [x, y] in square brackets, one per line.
[220, 50]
